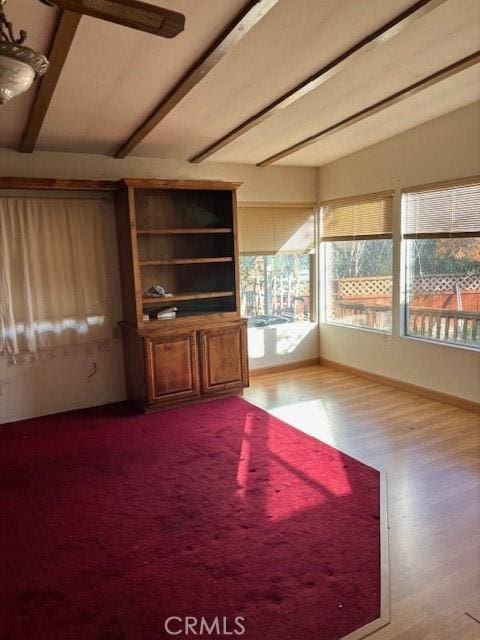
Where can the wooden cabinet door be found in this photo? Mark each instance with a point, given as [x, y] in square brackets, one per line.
[172, 367]
[223, 358]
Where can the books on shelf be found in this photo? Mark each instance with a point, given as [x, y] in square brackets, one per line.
[167, 314]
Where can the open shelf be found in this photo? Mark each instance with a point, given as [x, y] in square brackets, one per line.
[184, 241]
[182, 315]
[182, 246]
[188, 296]
[183, 230]
[173, 261]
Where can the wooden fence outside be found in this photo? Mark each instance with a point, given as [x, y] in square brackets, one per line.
[377, 286]
[460, 327]
[442, 307]
[445, 324]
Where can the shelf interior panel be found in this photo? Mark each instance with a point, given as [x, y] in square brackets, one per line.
[164, 247]
[163, 208]
[192, 303]
[199, 278]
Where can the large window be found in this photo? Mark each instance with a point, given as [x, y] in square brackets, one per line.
[357, 283]
[276, 247]
[442, 238]
[275, 289]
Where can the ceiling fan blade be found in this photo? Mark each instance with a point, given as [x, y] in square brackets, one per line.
[129, 13]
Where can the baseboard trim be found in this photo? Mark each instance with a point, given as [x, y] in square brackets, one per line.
[284, 367]
[425, 392]
[52, 411]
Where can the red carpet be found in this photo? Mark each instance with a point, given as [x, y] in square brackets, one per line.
[114, 522]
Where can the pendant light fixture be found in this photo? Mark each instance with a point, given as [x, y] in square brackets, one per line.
[19, 66]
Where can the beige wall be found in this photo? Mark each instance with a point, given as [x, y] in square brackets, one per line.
[62, 383]
[445, 148]
[260, 184]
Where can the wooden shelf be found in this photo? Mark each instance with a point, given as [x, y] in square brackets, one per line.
[165, 229]
[167, 261]
[185, 319]
[188, 296]
[183, 230]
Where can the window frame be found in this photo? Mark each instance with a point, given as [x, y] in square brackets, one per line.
[386, 234]
[278, 209]
[312, 283]
[324, 296]
[406, 305]
[405, 273]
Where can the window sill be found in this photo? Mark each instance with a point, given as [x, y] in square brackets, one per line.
[286, 325]
[381, 332]
[440, 343]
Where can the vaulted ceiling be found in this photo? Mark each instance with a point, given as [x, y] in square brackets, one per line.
[376, 68]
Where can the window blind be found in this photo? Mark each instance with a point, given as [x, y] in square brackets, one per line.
[444, 210]
[362, 217]
[270, 230]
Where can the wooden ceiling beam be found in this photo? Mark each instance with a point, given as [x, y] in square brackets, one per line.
[407, 92]
[373, 40]
[250, 15]
[62, 41]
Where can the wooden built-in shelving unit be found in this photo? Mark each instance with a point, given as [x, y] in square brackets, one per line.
[180, 236]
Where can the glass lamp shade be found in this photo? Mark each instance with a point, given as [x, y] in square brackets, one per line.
[19, 67]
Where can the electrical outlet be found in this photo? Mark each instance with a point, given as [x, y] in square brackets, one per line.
[93, 373]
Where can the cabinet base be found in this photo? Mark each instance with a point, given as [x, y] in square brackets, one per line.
[154, 408]
[174, 367]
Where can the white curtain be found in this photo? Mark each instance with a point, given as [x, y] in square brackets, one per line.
[55, 286]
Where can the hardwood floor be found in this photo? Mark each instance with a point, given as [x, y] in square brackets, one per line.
[431, 453]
